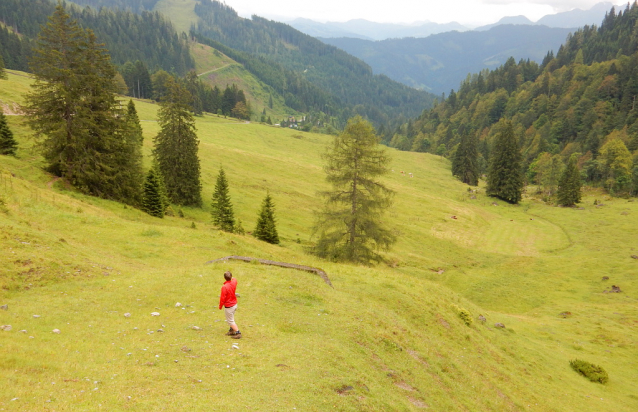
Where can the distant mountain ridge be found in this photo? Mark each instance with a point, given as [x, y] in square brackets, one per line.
[368, 30]
[440, 62]
[568, 19]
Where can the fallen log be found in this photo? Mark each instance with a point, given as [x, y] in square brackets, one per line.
[316, 271]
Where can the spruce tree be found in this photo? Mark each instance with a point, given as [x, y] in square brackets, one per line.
[465, 164]
[8, 145]
[72, 105]
[569, 185]
[176, 147]
[504, 178]
[266, 228]
[154, 200]
[3, 73]
[132, 177]
[222, 208]
[350, 226]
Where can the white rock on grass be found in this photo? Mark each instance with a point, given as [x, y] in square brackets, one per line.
[56, 331]
[127, 315]
[155, 313]
[196, 328]
[23, 331]
[177, 305]
[6, 327]
[36, 316]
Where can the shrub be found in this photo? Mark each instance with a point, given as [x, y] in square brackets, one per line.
[464, 314]
[592, 372]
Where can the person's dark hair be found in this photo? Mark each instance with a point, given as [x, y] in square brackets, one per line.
[228, 275]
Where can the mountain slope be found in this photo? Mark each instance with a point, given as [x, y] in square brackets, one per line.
[440, 62]
[384, 338]
[345, 77]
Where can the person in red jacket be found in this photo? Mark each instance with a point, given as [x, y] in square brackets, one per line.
[228, 300]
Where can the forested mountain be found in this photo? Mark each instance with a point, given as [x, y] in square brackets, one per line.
[581, 102]
[440, 62]
[129, 37]
[347, 78]
[136, 6]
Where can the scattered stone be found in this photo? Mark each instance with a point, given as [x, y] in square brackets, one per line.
[155, 314]
[605, 277]
[494, 204]
[499, 325]
[418, 403]
[36, 316]
[615, 289]
[127, 315]
[440, 272]
[565, 314]
[235, 346]
[186, 349]
[6, 328]
[23, 331]
[56, 331]
[4, 307]
[176, 361]
[473, 197]
[196, 328]
[482, 318]
[634, 256]
[160, 330]
[177, 305]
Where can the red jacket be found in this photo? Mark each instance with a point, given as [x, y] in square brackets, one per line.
[228, 298]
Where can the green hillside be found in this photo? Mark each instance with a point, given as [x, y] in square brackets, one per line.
[217, 69]
[387, 337]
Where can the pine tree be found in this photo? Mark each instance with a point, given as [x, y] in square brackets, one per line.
[350, 226]
[8, 145]
[465, 163]
[73, 106]
[154, 201]
[569, 185]
[266, 229]
[176, 147]
[504, 178]
[222, 208]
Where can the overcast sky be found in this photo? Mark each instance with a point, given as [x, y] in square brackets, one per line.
[471, 12]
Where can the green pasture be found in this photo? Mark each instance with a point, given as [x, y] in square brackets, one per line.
[386, 337]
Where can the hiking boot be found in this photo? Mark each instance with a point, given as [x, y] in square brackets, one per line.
[236, 335]
[230, 332]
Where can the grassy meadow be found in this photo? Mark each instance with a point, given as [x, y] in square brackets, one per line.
[387, 337]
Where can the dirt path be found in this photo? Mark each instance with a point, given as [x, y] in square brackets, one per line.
[214, 70]
[316, 271]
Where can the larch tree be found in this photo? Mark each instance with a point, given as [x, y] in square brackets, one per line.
[73, 109]
[176, 147]
[8, 144]
[570, 184]
[350, 225]
[504, 177]
[222, 208]
[266, 228]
